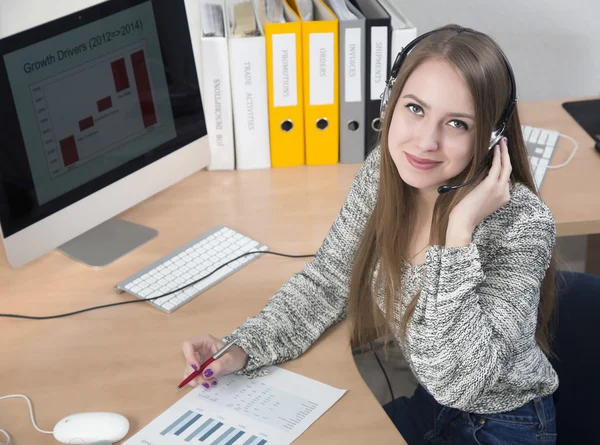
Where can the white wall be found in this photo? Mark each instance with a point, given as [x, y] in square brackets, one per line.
[553, 45]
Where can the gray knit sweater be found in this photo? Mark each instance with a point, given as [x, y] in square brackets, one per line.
[471, 342]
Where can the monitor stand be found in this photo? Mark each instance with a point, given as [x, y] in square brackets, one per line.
[107, 242]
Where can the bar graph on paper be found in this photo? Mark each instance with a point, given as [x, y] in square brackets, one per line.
[93, 108]
[274, 409]
[193, 426]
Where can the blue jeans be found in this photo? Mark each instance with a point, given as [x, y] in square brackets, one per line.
[423, 421]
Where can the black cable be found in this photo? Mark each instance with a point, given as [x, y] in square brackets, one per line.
[139, 300]
[388, 382]
[48, 317]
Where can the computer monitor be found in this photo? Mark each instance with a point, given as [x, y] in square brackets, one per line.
[101, 109]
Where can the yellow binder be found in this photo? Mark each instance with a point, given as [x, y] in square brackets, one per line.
[284, 80]
[321, 78]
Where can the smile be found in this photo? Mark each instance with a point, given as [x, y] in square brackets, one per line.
[421, 164]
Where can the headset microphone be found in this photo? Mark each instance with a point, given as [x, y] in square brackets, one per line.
[448, 188]
[498, 131]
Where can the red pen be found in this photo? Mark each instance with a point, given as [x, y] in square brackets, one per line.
[202, 367]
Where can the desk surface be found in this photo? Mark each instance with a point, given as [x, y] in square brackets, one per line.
[571, 192]
[127, 359]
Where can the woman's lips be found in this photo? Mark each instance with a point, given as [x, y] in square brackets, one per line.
[419, 163]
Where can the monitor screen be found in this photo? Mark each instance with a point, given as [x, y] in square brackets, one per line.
[90, 98]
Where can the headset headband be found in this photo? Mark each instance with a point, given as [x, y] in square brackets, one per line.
[401, 57]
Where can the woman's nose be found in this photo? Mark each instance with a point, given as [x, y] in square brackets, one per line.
[427, 139]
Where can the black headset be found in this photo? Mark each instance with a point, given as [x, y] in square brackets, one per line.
[497, 133]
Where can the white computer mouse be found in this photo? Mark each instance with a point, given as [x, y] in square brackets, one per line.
[88, 428]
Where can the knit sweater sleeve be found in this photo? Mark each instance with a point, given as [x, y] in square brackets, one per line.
[315, 298]
[472, 318]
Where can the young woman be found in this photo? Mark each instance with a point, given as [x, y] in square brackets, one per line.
[463, 280]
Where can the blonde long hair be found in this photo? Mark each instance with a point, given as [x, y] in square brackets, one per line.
[387, 234]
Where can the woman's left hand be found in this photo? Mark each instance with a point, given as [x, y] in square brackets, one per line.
[492, 193]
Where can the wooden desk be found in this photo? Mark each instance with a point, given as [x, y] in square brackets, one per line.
[127, 359]
[571, 192]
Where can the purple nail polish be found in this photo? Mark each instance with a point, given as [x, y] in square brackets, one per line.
[206, 385]
[214, 382]
[208, 373]
[195, 367]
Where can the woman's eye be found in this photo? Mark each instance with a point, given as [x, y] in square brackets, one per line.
[414, 108]
[459, 124]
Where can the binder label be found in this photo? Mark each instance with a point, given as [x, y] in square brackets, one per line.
[379, 53]
[285, 84]
[352, 51]
[320, 47]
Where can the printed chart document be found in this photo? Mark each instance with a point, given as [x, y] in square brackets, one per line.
[274, 409]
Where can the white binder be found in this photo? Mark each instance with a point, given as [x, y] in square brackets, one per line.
[248, 69]
[216, 92]
[403, 31]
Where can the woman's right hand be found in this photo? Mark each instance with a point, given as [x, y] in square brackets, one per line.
[199, 349]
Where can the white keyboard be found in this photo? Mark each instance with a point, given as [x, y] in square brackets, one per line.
[540, 148]
[189, 263]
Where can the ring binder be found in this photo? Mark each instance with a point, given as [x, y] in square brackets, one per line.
[377, 24]
[283, 34]
[216, 87]
[320, 66]
[352, 77]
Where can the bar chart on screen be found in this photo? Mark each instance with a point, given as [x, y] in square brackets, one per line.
[273, 409]
[93, 108]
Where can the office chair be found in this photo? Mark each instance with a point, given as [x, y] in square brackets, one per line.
[577, 362]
